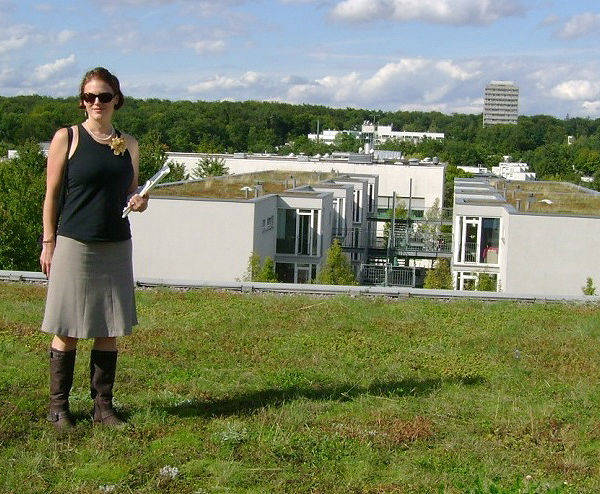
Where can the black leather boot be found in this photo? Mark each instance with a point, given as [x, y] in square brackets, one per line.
[103, 366]
[62, 365]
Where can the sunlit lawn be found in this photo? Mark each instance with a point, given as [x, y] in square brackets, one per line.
[231, 392]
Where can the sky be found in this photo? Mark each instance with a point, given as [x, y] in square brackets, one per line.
[424, 55]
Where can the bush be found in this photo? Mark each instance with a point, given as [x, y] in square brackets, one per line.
[589, 288]
[22, 188]
[440, 276]
[337, 269]
[256, 272]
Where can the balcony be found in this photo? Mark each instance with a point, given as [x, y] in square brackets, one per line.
[412, 243]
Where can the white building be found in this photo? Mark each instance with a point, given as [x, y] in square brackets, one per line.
[381, 133]
[211, 239]
[328, 136]
[513, 171]
[501, 103]
[377, 134]
[531, 237]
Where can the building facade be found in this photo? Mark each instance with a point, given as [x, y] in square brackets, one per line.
[523, 250]
[196, 238]
[501, 103]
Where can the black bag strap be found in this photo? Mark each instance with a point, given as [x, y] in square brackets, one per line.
[65, 178]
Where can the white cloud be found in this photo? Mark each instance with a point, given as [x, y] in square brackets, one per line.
[576, 90]
[13, 43]
[457, 12]
[65, 36]
[208, 46]
[16, 37]
[221, 82]
[49, 70]
[455, 71]
[549, 20]
[580, 25]
[591, 107]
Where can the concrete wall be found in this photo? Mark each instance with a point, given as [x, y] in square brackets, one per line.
[195, 239]
[265, 240]
[551, 254]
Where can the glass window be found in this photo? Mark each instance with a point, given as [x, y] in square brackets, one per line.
[285, 272]
[304, 233]
[315, 232]
[298, 231]
[490, 240]
[471, 233]
[303, 273]
[356, 207]
[286, 231]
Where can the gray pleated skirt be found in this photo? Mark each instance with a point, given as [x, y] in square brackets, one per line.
[90, 290]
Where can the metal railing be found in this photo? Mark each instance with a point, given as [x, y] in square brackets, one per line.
[414, 242]
[432, 243]
[387, 275]
[440, 214]
[470, 251]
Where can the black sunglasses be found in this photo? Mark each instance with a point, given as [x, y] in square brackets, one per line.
[91, 97]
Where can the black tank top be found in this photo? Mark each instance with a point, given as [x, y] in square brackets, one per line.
[97, 184]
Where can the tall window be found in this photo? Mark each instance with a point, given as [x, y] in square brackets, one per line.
[338, 215]
[357, 207]
[478, 240]
[286, 231]
[298, 231]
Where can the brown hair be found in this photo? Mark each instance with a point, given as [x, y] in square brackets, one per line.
[104, 75]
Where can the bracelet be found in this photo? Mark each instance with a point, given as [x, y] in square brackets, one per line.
[48, 241]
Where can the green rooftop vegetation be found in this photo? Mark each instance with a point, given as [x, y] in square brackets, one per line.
[232, 186]
[246, 393]
[549, 197]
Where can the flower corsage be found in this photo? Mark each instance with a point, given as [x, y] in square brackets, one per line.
[117, 144]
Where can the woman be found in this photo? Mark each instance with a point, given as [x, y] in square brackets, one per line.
[86, 250]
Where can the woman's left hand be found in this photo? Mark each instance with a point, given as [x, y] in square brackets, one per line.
[138, 203]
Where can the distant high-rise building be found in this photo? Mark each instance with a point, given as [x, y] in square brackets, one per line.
[501, 103]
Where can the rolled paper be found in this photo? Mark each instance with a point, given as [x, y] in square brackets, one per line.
[149, 185]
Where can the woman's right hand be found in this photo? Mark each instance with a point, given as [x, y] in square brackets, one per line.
[46, 257]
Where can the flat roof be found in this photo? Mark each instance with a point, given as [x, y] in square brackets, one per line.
[233, 186]
[549, 197]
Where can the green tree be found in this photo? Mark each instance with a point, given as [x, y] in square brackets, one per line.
[210, 167]
[589, 288]
[267, 272]
[257, 272]
[440, 276]
[22, 187]
[337, 269]
[486, 283]
[253, 269]
[451, 173]
[153, 155]
[346, 142]
[177, 173]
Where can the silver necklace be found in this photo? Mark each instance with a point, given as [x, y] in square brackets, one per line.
[96, 136]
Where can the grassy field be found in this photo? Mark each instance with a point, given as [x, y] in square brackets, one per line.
[230, 393]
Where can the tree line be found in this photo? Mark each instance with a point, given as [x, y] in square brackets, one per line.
[282, 128]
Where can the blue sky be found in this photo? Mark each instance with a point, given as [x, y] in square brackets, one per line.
[375, 54]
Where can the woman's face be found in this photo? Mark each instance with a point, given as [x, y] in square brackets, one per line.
[98, 110]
